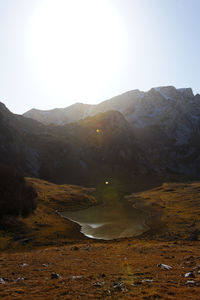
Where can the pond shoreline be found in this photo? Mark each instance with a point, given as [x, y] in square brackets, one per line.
[109, 221]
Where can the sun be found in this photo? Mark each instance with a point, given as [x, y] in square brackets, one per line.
[76, 47]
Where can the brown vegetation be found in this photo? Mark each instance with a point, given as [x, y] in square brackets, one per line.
[45, 226]
[174, 210]
[89, 269]
[103, 270]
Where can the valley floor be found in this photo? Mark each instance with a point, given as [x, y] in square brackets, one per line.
[46, 257]
[105, 270]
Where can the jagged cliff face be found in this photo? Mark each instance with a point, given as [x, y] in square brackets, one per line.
[136, 106]
[79, 111]
[165, 122]
[157, 131]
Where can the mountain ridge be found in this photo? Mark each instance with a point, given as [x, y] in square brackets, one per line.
[129, 135]
[121, 103]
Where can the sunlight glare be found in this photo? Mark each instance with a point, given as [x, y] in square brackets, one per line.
[76, 47]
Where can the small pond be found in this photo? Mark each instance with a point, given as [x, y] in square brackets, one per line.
[110, 220]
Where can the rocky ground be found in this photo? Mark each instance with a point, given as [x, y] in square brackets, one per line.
[128, 269]
[46, 257]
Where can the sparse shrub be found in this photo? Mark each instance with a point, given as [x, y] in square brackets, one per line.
[17, 198]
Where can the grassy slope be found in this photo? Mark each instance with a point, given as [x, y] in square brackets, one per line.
[174, 211]
[174, 207]
[45, 226]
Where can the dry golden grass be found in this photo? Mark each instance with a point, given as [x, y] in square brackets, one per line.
[99, 265]
[174, 208]
[45, 226]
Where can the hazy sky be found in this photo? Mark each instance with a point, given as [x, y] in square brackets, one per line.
[54, 53]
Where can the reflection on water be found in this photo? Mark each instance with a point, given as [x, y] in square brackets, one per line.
[107, 221]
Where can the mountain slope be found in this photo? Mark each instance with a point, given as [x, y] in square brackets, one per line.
[122, 103]
[157, 131]
[81, 153]
[165, 122]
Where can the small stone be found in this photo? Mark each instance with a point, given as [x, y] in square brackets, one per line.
[190, 274]
[118, 286]
[98, 284]
[55, 276]
[147, 280]
[164, 267]
[24, 265]
[2, 281]
[20, 279]
[77, 277]
[190, 282]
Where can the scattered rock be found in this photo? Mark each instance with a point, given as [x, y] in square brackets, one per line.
[1, 259]
[190, 282]
[98, 284]
[20, 279]
[196, 268]
[2, 281]
[24, 265]
[44, 265]
[118, 286]
[164, 267]
[147, 280]
[76, 277]
[190, 274]
[55, 276]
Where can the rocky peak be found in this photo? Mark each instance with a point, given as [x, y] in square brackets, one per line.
[186, 92]
[3, 109]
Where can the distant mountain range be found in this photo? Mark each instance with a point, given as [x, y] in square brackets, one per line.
[132, 134]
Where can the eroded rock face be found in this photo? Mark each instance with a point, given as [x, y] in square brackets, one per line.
[166, 124]
[136, 132]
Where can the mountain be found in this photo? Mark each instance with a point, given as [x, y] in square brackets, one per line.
[78, 111]
[97, 148]
[131, 104]
[165, 122]
[137, 133]
[14, 150]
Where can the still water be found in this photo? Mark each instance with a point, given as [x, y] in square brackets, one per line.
[111, 220]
